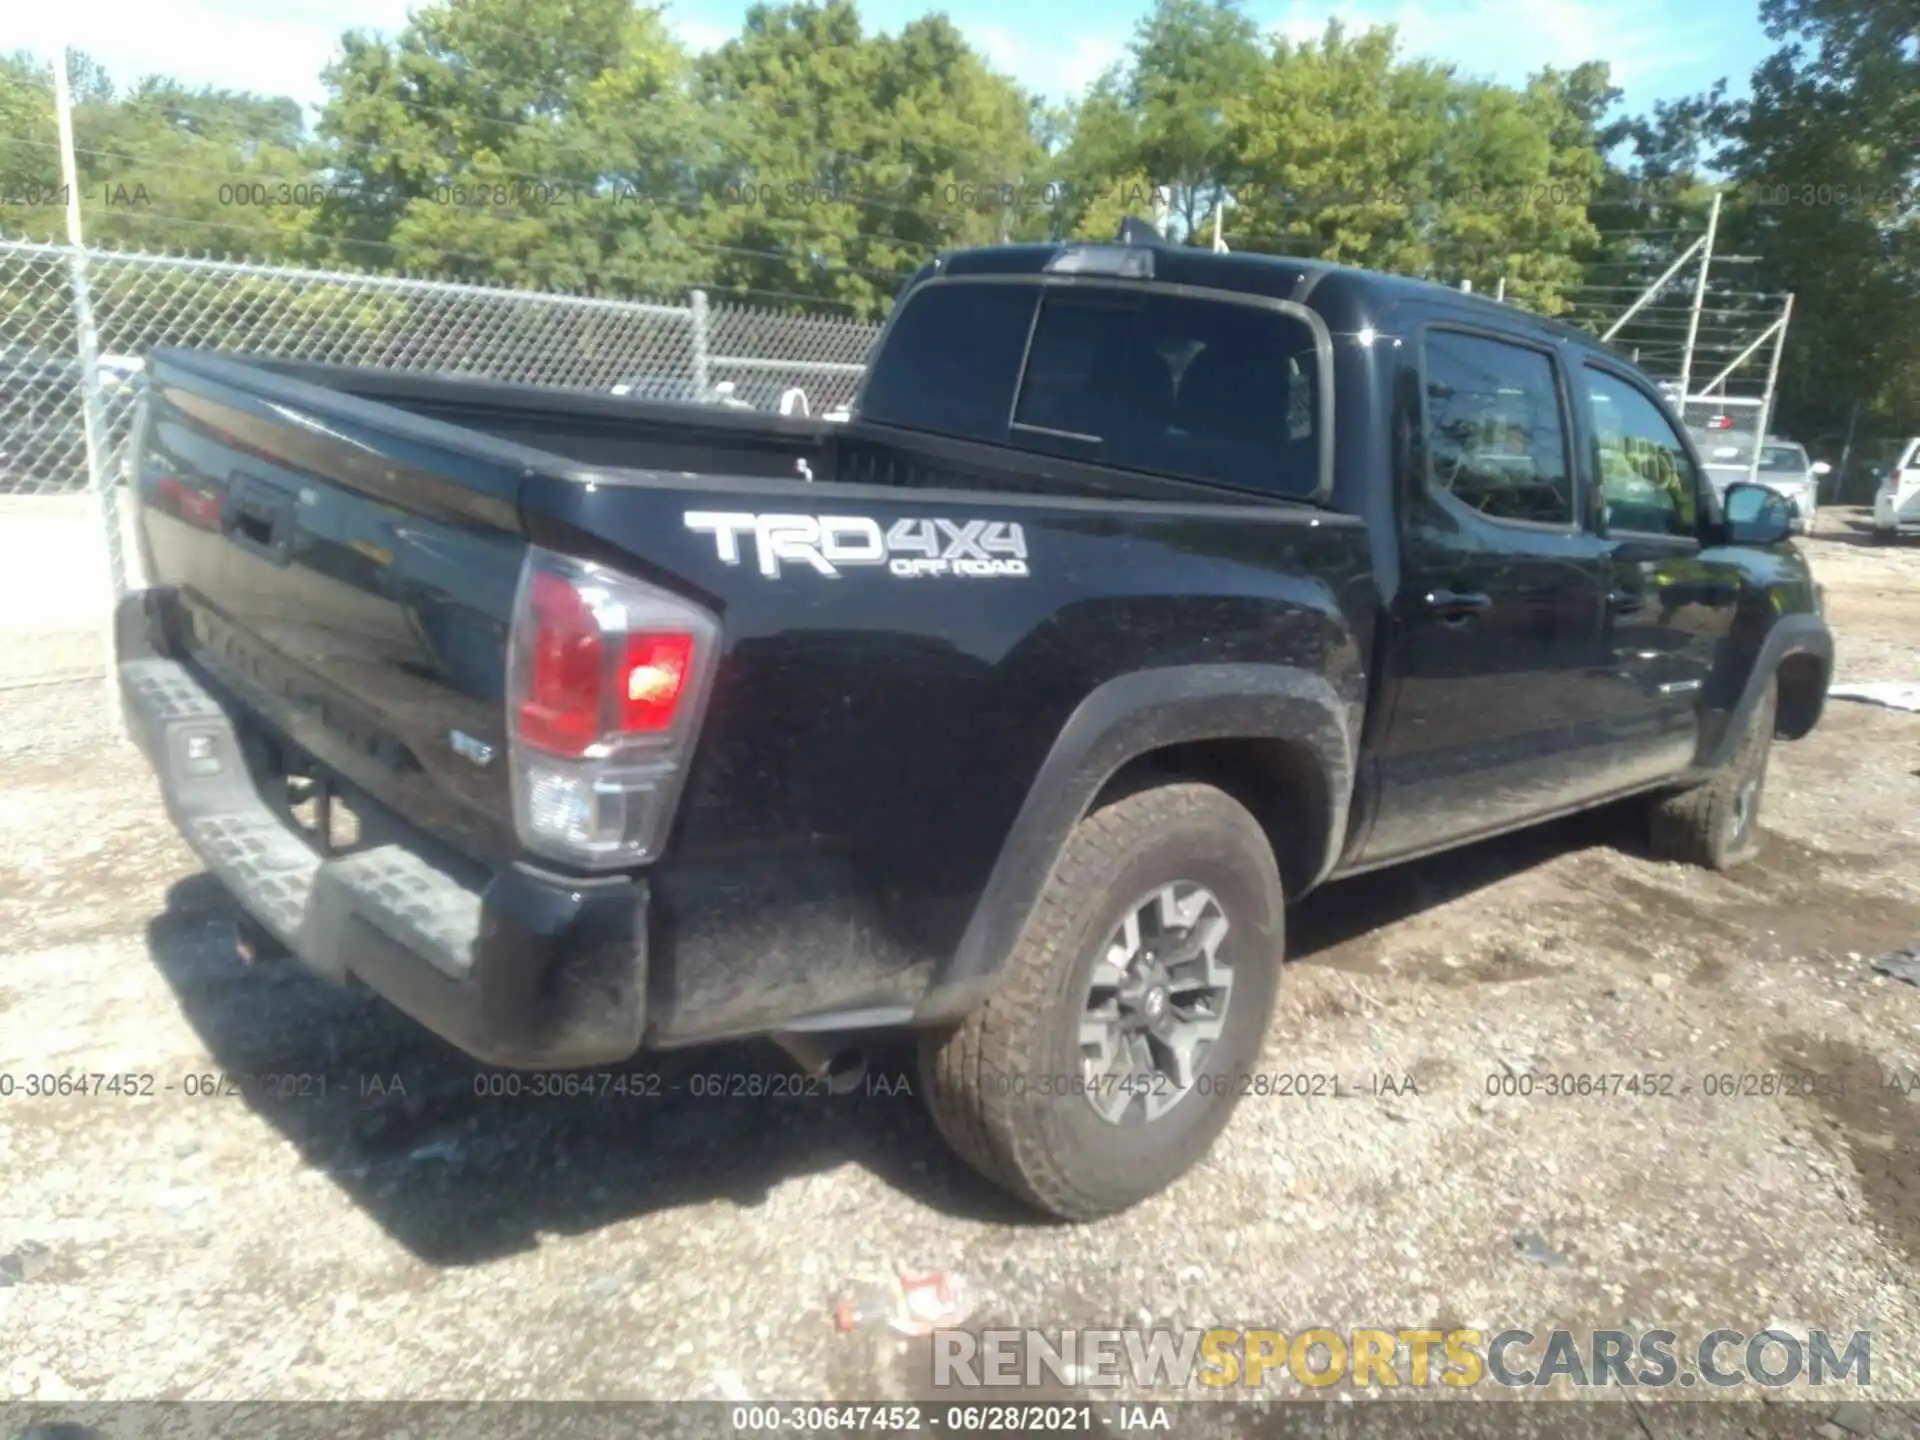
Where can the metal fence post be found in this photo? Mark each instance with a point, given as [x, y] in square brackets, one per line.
[87, 342]
[1773, 379]
[1699, 296]
[700, 378]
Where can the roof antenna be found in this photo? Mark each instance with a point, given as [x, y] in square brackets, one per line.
[1135, 231]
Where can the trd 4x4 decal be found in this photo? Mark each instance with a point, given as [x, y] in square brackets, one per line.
[977, 549]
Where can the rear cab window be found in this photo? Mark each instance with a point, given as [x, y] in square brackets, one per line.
[1225, 392]
[952, 359]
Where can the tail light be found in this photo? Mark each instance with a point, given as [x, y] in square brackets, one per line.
[607, 678]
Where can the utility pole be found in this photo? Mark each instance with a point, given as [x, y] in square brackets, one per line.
[1699, 296]
[1500, 289]
[1773, 379]
[1846, 449]
[87, 344]
[1219, 206]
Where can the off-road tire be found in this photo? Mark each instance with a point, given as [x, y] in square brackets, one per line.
[1708, 825]
[1000, 1084]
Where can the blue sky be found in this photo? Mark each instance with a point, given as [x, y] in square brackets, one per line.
[1658, 49]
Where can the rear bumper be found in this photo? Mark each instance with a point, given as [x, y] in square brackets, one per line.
[516, 968]
[1888, 515]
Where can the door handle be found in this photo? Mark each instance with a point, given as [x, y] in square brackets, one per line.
[1625, 602]
[1456, 607]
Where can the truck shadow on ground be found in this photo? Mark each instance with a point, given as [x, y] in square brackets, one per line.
[1324, 927]
[461, 1163]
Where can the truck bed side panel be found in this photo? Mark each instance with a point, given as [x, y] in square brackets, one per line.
[872, 737]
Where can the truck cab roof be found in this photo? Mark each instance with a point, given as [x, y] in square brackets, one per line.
[1349, 297]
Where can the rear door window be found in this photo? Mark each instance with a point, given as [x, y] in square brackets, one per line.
[1495, 441]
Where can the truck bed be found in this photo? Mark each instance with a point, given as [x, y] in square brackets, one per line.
[335, 555]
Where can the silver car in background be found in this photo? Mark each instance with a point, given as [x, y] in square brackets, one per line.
[1784, 468]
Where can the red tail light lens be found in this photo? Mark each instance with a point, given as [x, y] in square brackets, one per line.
[656, 677]
[606, 680]
[193, 506]
[560, 712]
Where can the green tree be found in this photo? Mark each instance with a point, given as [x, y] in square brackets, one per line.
[847, 160]
[32, 200]
[165, 167]
[540, 143]
[1165, 117]
[160, 166]
[1825, 160]
[1337, 141]
[1349, 153]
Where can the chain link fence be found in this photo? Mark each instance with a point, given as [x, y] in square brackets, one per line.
[140, 302]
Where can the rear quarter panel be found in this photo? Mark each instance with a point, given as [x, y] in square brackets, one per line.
[871, 738]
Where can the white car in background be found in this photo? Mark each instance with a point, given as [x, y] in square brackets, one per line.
[1896, 505]
[1784, 468]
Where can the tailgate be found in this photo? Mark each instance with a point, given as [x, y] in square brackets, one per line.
[345, 570]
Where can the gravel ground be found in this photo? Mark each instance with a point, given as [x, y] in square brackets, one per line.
[402, 1237]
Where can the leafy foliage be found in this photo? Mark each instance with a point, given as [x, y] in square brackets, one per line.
[574, 145]
[1825, 156]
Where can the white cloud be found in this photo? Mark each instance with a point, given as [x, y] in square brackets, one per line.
[1059, 71]
[1089, 57]
[699, 35]
[234, 44]
[1507, 40]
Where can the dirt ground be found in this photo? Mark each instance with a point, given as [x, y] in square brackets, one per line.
[372, 1244]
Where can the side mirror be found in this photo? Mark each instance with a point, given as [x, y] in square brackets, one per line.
[1757, 515]
[1821, 467]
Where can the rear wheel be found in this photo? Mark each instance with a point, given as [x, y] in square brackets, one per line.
[1101, 1068]
[1717, 824]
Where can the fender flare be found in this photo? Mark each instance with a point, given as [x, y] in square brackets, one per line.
[1789, 636]
[1119, 721]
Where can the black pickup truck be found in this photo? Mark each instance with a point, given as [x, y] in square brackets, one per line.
[1146, 590]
